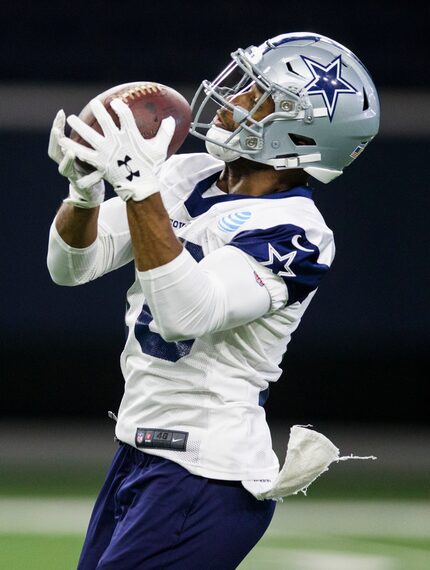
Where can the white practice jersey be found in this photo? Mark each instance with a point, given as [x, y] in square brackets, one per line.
[199, 402]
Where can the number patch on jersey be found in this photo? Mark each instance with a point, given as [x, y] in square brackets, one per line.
[153, 344]
[161, 439]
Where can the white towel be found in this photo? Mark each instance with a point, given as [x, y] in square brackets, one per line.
[309, 454]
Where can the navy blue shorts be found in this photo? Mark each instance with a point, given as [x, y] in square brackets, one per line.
[152, 514]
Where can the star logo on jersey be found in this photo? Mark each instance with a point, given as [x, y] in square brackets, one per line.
[276, 258]
[328, 82]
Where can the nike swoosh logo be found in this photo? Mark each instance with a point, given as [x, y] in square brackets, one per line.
[179, 439]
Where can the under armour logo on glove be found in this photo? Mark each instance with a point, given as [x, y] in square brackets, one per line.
[125, 163]
[112, 152]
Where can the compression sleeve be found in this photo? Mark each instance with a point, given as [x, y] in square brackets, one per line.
[189, 299]
[112, 249]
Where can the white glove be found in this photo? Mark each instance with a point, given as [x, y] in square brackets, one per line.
[85, 190]
[124, 158]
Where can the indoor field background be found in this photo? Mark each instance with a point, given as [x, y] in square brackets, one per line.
[357, 368]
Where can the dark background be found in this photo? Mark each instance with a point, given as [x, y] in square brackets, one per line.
[360, 354]
[179, 42]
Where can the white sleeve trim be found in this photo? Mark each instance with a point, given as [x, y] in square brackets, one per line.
[190, 299]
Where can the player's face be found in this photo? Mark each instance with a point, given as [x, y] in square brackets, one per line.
[247, 100]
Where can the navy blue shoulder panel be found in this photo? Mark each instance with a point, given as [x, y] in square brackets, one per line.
[286, 250]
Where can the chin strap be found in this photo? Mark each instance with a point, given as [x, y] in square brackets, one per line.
[215, 145]
[291, 161]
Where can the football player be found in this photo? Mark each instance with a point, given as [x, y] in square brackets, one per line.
[229, 249]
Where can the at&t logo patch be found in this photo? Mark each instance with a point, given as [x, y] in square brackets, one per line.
[232, 222]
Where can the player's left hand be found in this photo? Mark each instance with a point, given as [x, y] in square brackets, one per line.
[125, 159]
[86, 190]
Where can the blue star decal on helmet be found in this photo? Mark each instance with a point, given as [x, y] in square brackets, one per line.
[328, 82]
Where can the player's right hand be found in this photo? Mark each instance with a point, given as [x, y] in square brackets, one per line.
[111, 152]
[85, 190]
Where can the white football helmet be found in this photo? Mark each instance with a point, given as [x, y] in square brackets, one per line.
[326, 106]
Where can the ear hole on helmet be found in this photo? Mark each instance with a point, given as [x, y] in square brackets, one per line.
[291, 70]
[365, 100]
[301, 140]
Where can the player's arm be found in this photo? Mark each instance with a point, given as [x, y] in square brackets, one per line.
[190, 299]
[83, 244]
[80, 263]
[76, 221]
[77, 226]
[187, 299]
[132, 165]
[154, 241]
[238, 283]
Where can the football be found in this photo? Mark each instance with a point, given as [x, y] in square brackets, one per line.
[150, 103]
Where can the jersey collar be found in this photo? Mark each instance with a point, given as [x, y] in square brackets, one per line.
[196, 204]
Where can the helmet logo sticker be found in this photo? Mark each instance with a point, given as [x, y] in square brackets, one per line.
[328, 82]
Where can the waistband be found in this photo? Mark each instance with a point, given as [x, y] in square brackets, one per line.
[143, 459]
